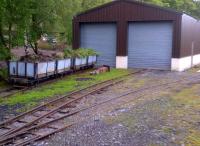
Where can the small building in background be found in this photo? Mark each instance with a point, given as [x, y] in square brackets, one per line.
[131, 34]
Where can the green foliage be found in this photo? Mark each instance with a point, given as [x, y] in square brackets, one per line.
[65, 10]
[92, 52]
[68, 53]
[84, 52]
[191, 7]
[12, 22]
[4, 54]
[41, 16]
[81, 52]
[3, 85]
[4, 73]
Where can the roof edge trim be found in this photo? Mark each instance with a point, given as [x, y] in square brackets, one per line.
[128, 1]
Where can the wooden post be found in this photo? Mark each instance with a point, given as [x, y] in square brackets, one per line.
[192, 54]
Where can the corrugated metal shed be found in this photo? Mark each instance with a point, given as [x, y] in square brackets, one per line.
[186, 29]
[190, 36]
[123, 12]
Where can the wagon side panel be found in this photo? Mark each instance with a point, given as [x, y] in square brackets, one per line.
[13, 68]
[51, 68]
[42, 69]
[21, 69]
[60, 66]
[30, 70]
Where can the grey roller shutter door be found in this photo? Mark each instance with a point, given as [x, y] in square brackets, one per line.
[102, 38]
[150, 45]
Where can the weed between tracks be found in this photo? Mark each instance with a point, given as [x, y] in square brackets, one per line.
[60, 87]
[187, 113]
[194, 69]
[173, 119]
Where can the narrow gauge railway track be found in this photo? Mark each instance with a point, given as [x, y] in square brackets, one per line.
[38, 137]
[4, 90]
[5, 93]
[11, 91]
[53, 123]
[68, 96]
[8, 92]
[30, 132]
[54, 106]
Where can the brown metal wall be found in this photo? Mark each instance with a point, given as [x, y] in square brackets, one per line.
[197, 38]
[126, 11]
[190, 35]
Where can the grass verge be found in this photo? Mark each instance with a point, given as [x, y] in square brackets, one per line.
[186, 113]
[60, 87]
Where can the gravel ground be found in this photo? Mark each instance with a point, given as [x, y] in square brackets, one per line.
[8, 111]
[161, 116]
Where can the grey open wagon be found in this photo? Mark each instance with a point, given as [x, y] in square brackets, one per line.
[33, 72]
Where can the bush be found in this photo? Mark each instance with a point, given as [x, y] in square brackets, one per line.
[68, 53]
[4, 73]
[92, 52]
[4, 54]
[81, 52]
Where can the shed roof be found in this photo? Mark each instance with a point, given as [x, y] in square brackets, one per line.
[133, 2]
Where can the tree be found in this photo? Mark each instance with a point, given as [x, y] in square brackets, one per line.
[188, 6]
[66, 9]
[2, 41]
[33, 18]
[19, 17]
[11, 24]
[197, 11]
[40, 15]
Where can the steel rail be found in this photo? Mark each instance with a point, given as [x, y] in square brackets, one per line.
[53, 111]
[26, 88]
[62, 97]
[57, 108]
[6, 89]
[13, 93]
